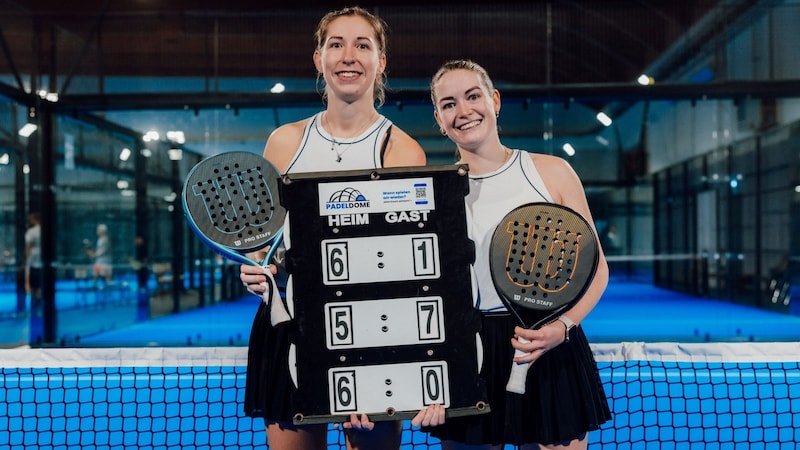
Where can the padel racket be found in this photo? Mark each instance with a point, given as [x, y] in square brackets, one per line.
[542, 258]
[231, 203]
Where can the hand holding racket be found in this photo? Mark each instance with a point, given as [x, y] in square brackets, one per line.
[542, 257]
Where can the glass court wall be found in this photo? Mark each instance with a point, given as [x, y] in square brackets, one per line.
[104, 177]
[695, 214]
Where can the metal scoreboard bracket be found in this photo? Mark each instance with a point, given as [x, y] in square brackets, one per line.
[380, 271]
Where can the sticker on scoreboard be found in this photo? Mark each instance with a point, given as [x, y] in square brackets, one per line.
[402, 387]
[382, 323]
[376, 259]
[376, 196]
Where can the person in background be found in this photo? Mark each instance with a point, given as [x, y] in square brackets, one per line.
[564, 398]
[101, 255]
[349, 134]
[33, 260]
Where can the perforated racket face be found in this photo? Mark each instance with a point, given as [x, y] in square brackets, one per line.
[543, 257]
[231, 199]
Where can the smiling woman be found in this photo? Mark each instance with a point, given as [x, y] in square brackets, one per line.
[350, 134]
[558, 399]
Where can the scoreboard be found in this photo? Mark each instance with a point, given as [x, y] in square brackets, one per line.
[380, 275]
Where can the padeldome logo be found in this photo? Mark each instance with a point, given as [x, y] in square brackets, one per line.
[347, 198]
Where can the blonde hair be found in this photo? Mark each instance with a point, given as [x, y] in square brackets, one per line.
[460, 64]
[378, 26]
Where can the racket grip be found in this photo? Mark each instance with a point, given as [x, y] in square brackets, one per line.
[519, 373]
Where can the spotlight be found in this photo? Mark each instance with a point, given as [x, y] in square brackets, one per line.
[176, 136]
[151, 136]
[645, 80]
[603, 118]
[28, 129]
[175, 154]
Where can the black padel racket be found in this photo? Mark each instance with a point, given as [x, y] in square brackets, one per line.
[542, 258]
[231, 203]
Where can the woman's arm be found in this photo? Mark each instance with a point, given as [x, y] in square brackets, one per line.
[566, 188]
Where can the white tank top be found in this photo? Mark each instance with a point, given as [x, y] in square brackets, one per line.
[491, 196]
[319, 151]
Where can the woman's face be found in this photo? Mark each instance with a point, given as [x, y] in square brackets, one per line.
[465, 109]
[350, 59]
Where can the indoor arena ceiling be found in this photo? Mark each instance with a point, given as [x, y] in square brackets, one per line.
[590, 41]
[578, 55]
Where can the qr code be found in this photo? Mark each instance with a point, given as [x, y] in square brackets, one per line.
[421, 192]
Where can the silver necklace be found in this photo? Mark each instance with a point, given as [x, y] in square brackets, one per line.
[336, 146]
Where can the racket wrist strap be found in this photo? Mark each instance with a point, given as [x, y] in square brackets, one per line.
[568, 324]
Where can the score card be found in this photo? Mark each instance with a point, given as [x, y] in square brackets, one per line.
[380, 273]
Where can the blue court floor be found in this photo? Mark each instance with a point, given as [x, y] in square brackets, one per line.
[627, 312]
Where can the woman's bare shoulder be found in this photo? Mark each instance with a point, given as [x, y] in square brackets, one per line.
[403, 150]
[283, 143]
[558, 175]
[550, 162]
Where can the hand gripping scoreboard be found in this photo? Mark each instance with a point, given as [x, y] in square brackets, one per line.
[380, 274]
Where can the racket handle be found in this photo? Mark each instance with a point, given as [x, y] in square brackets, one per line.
[519, 373]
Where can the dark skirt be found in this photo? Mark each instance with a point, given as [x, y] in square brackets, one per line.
[269, 390]
[564, 396]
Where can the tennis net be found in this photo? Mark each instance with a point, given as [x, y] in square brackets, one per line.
[662, 395]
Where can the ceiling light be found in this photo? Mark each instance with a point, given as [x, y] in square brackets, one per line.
[645, 80]
[568, 149]
[176, 136]
[49, 96]
[28, 129]
[125, 154]
[150, 136]
[175, 154]
[4, 159]
[277, 88]
[603, 118]
[603, 141]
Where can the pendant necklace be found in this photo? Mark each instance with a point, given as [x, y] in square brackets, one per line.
[336, 145]
[335, 148]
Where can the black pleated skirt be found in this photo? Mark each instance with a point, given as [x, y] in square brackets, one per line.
[269, 390]
[564, 396]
